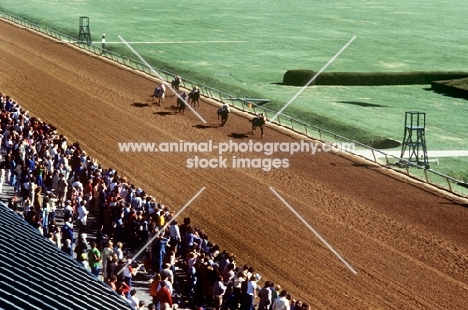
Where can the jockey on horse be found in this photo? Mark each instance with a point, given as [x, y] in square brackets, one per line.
[181, 102]
[176, 82]
[159, 92]
[224, 111]
[194, 96]
[258, 121]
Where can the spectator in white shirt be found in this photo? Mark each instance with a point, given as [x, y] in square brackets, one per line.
[82, 217]
[281, 303]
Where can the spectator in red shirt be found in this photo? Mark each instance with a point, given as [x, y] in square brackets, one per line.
[122, 288]
[164, 297]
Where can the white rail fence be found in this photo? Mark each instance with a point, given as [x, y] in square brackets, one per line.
[411, 169]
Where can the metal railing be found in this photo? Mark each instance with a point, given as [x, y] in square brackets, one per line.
[310, 131]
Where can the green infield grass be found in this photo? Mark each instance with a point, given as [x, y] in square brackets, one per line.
[448, 166]
[244, 48]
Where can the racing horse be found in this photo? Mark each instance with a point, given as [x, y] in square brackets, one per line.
[194, 96]
[159, 92]
[176, 82]
[224, 113]
[258, 121]
[181, 102]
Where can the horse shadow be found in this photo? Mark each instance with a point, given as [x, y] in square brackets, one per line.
[173, 108]
[173, 111]
[204, 126]
[236, 135]
[140, 105]
[164, 113]
[363, 104]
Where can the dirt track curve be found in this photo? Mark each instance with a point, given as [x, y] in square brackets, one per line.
[407, 242]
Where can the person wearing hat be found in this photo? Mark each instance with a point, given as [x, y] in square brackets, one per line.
[176, 82]
[258, 121]
[224, 111]
[159, 92]
[181, 101]
[82, 260]
[194, 96]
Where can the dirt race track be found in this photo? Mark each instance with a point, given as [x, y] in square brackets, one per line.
[406, 241]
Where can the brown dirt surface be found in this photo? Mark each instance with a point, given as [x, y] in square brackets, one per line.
[407, 242]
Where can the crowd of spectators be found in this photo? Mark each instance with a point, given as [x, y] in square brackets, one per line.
[50, 174]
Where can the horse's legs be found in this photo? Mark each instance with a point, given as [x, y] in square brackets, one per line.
[261, 131]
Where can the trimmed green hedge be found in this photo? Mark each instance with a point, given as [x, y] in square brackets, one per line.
[301, 77]
[455, 88]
